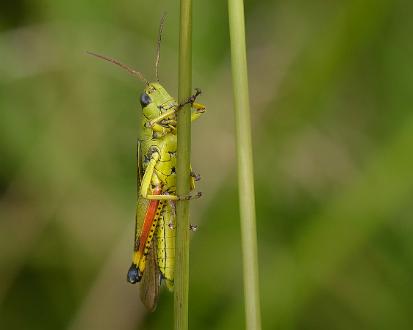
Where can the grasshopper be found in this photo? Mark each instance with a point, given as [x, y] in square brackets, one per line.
[154, 244]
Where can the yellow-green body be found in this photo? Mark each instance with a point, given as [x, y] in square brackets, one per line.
[155, 209]
[155, 206]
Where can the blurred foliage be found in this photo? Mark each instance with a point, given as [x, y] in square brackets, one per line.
[331, 93]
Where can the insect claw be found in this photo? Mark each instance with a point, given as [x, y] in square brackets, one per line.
[193, 97]
[197, 92]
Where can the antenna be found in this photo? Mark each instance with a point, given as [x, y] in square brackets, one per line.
[123, 66]
[158, 48]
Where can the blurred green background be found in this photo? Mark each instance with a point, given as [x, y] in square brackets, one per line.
[331, 96]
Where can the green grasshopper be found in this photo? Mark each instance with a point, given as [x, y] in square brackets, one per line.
[154, 248]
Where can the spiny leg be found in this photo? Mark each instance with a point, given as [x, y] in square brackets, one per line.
[191, 99]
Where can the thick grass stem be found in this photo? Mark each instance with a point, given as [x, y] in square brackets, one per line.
[183, 168]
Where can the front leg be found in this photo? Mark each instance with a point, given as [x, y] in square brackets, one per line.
[191, 99]
[153, 122]
[199, 109]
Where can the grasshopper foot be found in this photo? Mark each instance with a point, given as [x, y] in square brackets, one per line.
[189, 197]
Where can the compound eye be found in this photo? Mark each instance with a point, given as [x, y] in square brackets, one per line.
[145, 99]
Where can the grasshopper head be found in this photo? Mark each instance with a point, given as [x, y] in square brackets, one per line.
[154, 95]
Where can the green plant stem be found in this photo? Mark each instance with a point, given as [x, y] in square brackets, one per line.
[245, 164]
[183, 168]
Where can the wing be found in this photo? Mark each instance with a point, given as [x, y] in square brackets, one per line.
[139, 166]
[151, 281]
